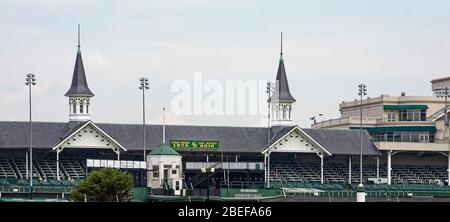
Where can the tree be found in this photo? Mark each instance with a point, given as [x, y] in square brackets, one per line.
[104, 185]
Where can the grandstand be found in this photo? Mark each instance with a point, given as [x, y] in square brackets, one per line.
[15, 168]
[283, 156]
[290, 171]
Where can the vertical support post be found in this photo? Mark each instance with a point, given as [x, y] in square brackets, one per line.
[57, 164]
[268, 170]
[321, 169]
[446, 91]
[378, 167]
[389, 154]
[265, 168]
[26, 162]
[118, 155]
[31, 142]
[448, 169]
[143, 124]
[161, 172]
[207, 157]
[350, 170]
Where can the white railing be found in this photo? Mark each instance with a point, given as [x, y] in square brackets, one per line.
[346, 121]
[230, 165]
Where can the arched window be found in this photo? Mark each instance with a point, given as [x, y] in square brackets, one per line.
[81, 107]
[74, 107]
[87, 108]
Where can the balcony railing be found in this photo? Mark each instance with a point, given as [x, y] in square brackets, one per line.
[346, 121]
[230, 165]
[351, 120]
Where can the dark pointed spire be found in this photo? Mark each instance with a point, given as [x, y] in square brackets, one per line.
[79, 86]
[282, 93]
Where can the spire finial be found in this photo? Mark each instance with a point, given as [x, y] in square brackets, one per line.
[281, 53]
[79, 38]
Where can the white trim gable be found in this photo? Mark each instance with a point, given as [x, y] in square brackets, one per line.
[297, 141]
[89, 136]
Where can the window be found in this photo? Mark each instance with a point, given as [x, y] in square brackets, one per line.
[74, 108]
[413, 115]
[392, 117]
[81, 108]
[87, 108]
[155, 174]
[423, 115]
[174, 171]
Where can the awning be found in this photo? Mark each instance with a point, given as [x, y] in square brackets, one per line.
[398, 107]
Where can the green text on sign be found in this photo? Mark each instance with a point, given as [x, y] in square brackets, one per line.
[194, 144]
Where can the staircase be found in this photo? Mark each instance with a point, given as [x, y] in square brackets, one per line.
[436, 114]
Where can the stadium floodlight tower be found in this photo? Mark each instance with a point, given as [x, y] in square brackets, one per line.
[30, 81]
[361, 196]
[143, 85]
[445, 92]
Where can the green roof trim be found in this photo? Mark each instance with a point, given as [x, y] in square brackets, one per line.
[164, 149]
[398, 129]
[397, 107]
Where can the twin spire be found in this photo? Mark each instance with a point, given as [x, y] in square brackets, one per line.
[282, 93]
[79, 86]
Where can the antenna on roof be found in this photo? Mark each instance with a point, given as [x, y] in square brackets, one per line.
[78, 37]
[281, 51]
[164, 125]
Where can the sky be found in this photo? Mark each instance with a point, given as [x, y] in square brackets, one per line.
[330, 47]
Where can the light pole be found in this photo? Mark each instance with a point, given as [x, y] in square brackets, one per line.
[208, 172]
[30, 81]
[362, 91]
[143, 85]
[314, 118]
[269, 89]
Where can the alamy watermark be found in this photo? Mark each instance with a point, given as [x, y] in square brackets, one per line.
[219, 98]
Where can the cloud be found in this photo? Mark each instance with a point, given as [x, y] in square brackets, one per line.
[170, 119]
[97, 62]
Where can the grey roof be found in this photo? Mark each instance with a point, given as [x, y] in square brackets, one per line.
[344, 142]
[231, 139]
[79, 86]
[282, 93]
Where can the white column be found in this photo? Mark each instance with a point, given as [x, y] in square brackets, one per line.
[268, 170]
[57, 164]
[378, 167]
[321, 169]
[350, 170]
[448, 169]
[265, 168]
[161, 172]
[207, 158]
[389, 153]
[26, 162]
[118, 155]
